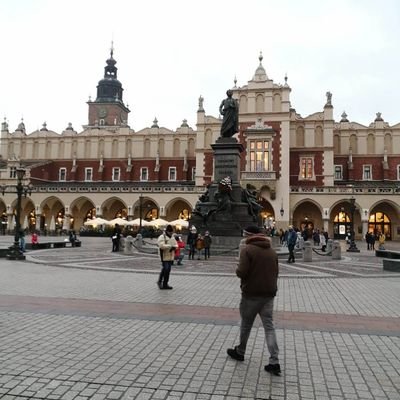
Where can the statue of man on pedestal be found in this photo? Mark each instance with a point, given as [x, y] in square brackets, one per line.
[229, 109]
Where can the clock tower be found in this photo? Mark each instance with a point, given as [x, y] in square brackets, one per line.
[108, 109]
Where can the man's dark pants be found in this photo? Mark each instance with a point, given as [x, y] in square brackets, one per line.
[164, 274]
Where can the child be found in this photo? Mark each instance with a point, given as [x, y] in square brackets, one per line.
[199, 245]
[179, 251]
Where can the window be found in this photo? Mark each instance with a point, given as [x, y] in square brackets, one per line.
[338, 172]
[88, 174]
[13, 172]
[116, 174]
[172, 173]
[144, 174]
[194, 174]
[62, 174]
[398, 172]
[260, 155]
[306, 168]
[367, 172]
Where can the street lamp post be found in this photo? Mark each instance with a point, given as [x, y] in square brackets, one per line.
[353, 247]
[140, 212]
[15, 252]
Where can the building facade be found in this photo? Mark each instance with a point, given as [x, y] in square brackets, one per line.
[305, 170]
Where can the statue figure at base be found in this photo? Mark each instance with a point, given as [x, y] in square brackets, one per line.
[224, 197]
[229, 109]
[249, 197]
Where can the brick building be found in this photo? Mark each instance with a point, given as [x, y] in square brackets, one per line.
[305, 169]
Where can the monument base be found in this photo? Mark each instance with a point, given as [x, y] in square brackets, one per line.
[223, 223]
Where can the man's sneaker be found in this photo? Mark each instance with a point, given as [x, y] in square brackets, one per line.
[235, 355]
[274, 369]
[159, 285]
[166, 287]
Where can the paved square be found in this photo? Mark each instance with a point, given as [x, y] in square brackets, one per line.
[90, 324]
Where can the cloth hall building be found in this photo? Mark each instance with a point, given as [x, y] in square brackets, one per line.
[305, 170]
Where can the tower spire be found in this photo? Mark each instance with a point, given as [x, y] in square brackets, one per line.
[112, 49]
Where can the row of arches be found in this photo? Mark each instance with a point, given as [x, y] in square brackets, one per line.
[381, 217]
[318, 136]
[353, 143]
[53, 215]
[260, 103]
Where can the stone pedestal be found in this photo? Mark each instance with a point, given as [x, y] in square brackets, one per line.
[336, 250]
[329, 245]
[208, 215]
[307, 252]
[128, 245]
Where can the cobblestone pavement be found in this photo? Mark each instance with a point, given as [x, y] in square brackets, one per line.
[86, 323]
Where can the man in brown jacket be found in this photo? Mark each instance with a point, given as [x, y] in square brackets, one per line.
[258, 271]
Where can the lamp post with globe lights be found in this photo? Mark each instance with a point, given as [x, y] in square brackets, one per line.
[353, 247]
[15, 252]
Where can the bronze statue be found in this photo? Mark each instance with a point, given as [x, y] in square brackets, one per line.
[249, 196]
[229, 109]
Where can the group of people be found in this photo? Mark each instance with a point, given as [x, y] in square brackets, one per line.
[199, 244]
[372, 237]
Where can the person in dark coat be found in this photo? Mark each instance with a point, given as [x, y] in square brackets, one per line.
[72, 238]
[207, 244]
[116, 236]
[258, 272]
[291, 243]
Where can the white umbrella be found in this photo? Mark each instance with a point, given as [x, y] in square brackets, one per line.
[96, 222]
[158, 222]
[136, 222]
[180, 222]
[118, 221]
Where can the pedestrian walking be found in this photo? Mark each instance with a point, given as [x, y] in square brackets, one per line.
[22, 240]
[322, 240]
[372, 241]
[115, 237]
[291, 243]
[368, 240]
[381, 240]
[167, 245]
[258, 272]
[191, 241]
[207, 244]
[72, 238]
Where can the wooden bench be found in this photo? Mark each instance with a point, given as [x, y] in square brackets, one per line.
[51, 245]
[391, 264]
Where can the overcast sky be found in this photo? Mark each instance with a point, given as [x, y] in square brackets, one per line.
[169, 53]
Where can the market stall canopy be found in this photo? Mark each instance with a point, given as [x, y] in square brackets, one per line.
[96, 222]
[158, 222]
[136, 222]
[180, 222]
[118, 221]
